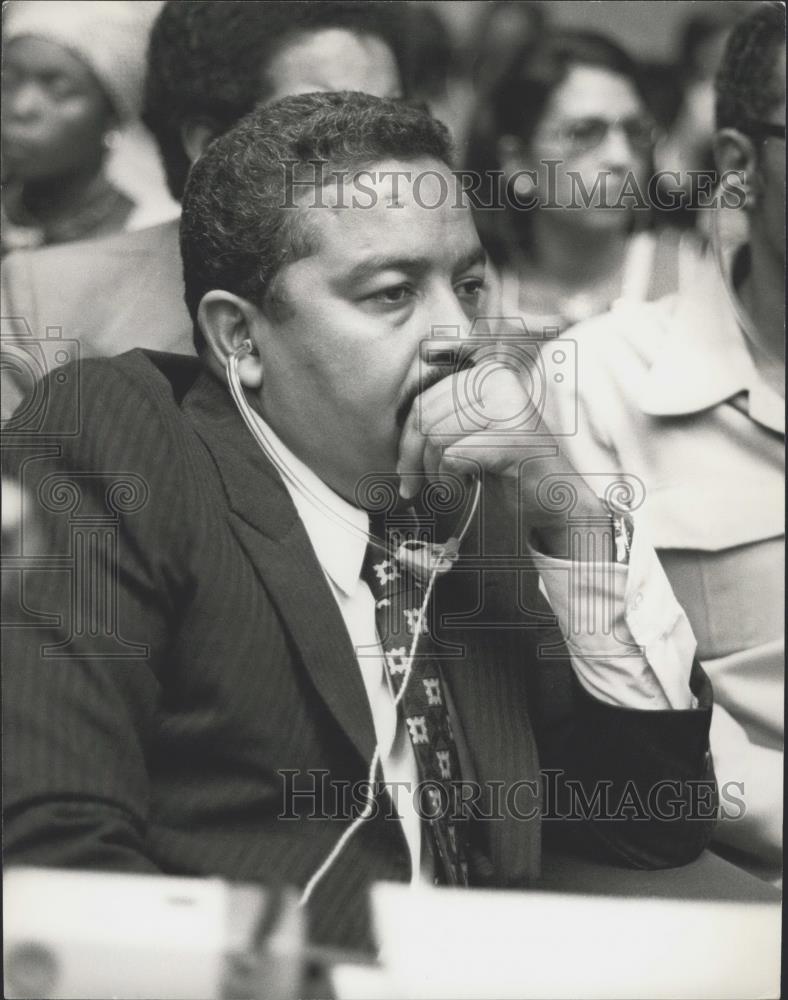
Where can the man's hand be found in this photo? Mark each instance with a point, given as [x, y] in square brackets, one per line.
[484, 420]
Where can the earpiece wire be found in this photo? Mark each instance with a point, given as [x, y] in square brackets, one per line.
[449, 548]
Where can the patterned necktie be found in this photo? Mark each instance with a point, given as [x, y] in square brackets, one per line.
[398, 598]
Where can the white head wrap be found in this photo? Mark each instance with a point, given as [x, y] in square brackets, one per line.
[109, 36]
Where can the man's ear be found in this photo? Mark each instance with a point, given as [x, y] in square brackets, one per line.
[226, 321]
[737, 160]
[195, 136]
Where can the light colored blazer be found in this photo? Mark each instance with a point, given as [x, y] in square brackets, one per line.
[667, 391]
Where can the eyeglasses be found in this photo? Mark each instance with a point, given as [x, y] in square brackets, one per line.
[764, 130]
[584, 134]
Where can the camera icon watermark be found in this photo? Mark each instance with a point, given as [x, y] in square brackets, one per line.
[495, 346]
[25, 363]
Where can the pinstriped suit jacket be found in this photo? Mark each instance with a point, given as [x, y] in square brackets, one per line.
[153, 736]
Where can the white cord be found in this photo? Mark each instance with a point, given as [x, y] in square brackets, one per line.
[269, 449]
[440, 556]
[259, 432]
[366, 812]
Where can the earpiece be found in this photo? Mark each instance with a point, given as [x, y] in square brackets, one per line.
[244, 349]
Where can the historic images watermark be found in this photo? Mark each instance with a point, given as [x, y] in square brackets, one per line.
[314, 795]
[547, 187]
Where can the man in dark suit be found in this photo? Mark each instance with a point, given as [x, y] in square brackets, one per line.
[209, 63]
[198, 678]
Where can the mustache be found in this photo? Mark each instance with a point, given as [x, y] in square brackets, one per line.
[427, 381]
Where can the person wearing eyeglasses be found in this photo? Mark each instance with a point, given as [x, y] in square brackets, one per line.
[569, 129]
[688, 393]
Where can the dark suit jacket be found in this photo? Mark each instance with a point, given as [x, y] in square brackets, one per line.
[185, 650]
[109, 295]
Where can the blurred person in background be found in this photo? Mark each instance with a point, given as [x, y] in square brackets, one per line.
[687, 144]
[569, 127]
[278, 48]
[688, 393]
[72, 77]
[504, 28]
[433, 66]
[209, 63]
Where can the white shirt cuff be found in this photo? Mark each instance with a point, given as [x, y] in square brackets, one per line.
[628, 638]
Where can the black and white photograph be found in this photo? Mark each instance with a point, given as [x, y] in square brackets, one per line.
[393, 499]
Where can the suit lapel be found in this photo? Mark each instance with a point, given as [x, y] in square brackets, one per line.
[267, 525]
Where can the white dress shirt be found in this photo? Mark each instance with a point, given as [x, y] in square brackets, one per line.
[646, 614]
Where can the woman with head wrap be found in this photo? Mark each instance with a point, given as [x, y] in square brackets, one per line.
[72, 76]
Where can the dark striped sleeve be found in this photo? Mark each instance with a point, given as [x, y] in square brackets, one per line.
[88, 607]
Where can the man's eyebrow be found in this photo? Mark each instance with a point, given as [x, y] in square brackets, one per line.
[476, 256]
[371, 266]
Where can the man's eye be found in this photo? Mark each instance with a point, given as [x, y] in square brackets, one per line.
[471, 288]
[393, 295]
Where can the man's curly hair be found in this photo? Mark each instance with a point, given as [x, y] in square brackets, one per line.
[207, 60]
[241, 222]
[747, 86]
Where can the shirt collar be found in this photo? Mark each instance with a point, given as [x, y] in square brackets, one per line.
[335, 527]
[703, 360]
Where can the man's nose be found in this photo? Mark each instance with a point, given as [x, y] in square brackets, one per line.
[446, 347]
[446, 316]
[446, 331]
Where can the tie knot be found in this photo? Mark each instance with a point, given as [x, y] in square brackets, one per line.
[388, 531]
